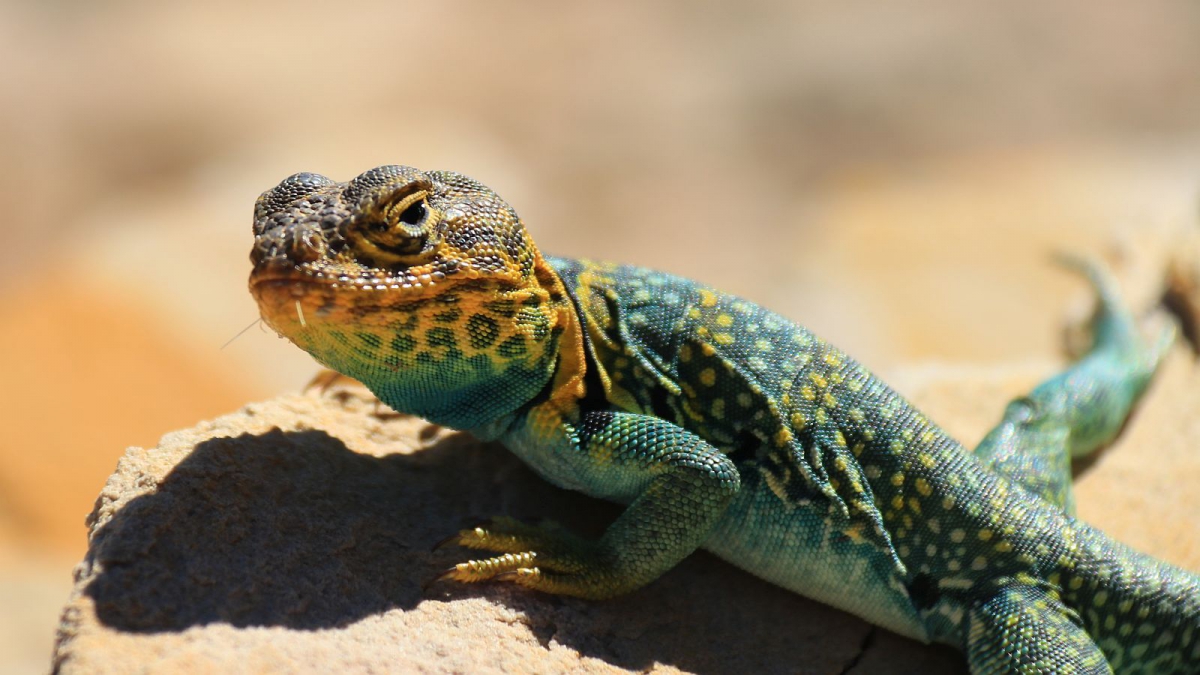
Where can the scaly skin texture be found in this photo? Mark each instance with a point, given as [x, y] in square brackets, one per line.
[723, 426]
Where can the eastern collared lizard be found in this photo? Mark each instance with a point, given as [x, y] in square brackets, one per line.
[726, 427]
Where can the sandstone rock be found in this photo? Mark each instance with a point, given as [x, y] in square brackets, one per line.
[295, 535]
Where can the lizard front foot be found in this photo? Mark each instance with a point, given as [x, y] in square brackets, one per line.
[542, 557]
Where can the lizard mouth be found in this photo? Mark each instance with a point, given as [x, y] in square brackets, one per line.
[304, 277]
[367, 279]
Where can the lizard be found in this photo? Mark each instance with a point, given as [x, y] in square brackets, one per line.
[724, 426]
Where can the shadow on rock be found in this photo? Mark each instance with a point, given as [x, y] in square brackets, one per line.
[284, 529]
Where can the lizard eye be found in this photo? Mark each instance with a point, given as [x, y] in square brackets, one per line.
[414, 214]
[400, 230]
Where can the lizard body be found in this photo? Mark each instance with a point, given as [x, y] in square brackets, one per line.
[723, 426]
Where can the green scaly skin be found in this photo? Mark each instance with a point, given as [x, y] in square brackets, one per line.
[723, 426]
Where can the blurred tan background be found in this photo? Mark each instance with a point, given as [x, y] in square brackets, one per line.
[893, 176]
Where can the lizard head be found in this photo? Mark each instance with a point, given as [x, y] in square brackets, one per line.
[422, 285]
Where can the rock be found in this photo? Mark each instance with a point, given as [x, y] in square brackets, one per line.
[295, 534]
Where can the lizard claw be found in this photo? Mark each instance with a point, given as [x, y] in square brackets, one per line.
[446, 575]
[443, 543]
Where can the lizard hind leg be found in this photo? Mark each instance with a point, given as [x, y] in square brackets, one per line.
[1026, 629]
[1082, 408]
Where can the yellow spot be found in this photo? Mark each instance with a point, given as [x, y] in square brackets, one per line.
[896, 447]
[838, 439]
[783, 436]
[707, 297]
[855, 386]
[926, 459]
[718, 407]
[857, 415]
[762, 345]
[808, 393]
[897, 502]
[839, 463]
[723, 338]
[693, 313]
[923, 487]
[685, 353]
[914, 505]
[833, 359]
[786, 399]
[724, 320]
[985, 534]
[830, 400]
[857, 449]
[818, 379]
[745, 400]
[897, 479]
[949, 501]
[707, 349]
[1076, 583]
[1003, 547]
[821, 416]
[798, 420]
[927, 437]
[708, 377]
[957, 536]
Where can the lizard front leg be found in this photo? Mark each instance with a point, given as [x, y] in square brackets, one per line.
[677, 484]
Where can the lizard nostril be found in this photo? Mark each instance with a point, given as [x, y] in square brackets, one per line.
[306, 244]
